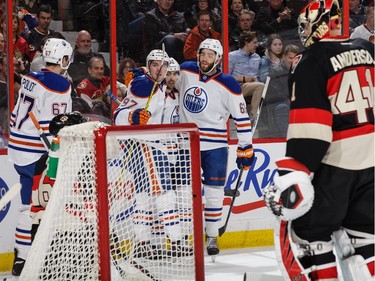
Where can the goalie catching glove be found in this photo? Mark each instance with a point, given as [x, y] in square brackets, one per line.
[291, 193]
[245, 157]
[139, 116]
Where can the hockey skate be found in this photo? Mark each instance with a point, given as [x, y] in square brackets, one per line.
[178, 249]
[212, 249]
[145, 250]
[18, 264]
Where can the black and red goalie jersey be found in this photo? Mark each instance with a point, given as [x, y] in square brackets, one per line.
[331, 119]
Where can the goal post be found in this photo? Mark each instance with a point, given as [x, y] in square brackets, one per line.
[126, 205]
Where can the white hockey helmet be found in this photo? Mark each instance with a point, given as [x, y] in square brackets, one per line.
[211, 44]
[173, 65]
[55, 50]
[321, 19]
[156, 55]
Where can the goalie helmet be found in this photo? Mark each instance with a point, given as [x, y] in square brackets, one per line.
[173, 65]
[55, 50]
[320, 19]
[66, 119]
[156, 55]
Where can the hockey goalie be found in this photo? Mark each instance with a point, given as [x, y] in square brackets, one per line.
[323, 193]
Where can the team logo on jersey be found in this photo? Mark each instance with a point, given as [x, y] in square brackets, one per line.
[175, 116]
[195, 99]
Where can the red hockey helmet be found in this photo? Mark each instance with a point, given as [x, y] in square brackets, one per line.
[321, 19]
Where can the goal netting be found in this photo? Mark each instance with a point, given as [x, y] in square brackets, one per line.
[126, 205]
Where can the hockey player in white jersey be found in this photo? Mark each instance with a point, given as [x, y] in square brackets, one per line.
[145, 100]
[171, 108]
[207, 98]
[45, 94]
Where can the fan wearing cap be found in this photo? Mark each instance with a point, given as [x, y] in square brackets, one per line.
[323, 191]
[207, 98]
[145, 100]
[45, 94]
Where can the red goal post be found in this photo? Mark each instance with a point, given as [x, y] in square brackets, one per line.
[126, 205]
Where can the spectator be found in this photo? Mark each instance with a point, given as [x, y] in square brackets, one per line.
[20, 47]
[244, 23]
[163, 25]
[82, 53]
[41, 30]
[125, 65]
[356, 14]
[277, 18]
[32, 6]
[276, 106]
[366, 30]
[272, 56]
[244, 66]
[92, 89]
[198, 34]
[130, 14]
[235, 8]
[212, 6]
[2, 45]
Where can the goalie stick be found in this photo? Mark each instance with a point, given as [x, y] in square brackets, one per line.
[40, 130]
[255, 123]
[12, 192]
[224, 227]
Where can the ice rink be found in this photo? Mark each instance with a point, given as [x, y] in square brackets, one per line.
[259, 263]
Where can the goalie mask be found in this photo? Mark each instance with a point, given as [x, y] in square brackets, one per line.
[55, 50]
[66, 119]
[320, 19]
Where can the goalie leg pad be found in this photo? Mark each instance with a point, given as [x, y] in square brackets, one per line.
[299, 259]
[352, 247]
[214, 196]
[168, 214]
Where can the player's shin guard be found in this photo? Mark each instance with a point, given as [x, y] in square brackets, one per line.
[143, 217]
[185, 210]
[23, 232]
[214, 196]
[168, 214]
[302, 260]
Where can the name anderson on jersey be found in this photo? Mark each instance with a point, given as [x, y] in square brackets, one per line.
[351, 58]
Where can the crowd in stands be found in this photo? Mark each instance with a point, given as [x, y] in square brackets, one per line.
[263, 38]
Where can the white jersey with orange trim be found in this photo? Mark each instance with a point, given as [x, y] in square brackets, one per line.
[46, 94]
[139, 91]
[208, 101]
[171, 113]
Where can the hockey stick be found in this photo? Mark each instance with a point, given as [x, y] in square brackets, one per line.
[40, 130]
[112, 97]
[155, 82]
[224, 227]
[255, 123]
[12, 192]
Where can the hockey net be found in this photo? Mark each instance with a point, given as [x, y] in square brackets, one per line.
[126, 205]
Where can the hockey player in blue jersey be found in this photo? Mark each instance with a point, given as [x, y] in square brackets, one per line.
[207, 98]
[45, 94]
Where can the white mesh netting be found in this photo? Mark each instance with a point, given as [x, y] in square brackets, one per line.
[150, 209]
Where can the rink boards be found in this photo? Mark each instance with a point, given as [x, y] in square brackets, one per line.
[250, 224]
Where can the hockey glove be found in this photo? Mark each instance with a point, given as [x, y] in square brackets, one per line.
[291, 193]
[245, 157]
[139, 116]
